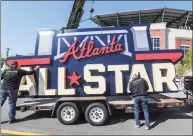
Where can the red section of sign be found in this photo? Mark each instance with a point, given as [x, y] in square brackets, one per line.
[33, 61]
[173, 56]
[74, 79]
[88, 50]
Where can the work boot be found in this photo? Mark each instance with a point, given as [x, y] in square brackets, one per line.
[147, 127]
[12, 121]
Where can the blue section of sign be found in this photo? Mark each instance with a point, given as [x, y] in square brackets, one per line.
[124, 35]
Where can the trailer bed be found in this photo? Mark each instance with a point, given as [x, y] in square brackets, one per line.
[127, 103]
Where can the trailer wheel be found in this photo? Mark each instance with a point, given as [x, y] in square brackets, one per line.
[96, 114]
[67, 113]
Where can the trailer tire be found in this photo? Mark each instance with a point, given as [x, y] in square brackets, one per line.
[67, 113]
[96, 114]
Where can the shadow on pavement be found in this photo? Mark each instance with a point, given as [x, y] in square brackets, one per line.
[34, 116]
[119, 116]
[3, 122]
[178, 113]
[157, 117]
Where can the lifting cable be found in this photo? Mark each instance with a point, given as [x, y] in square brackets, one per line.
[91, 11]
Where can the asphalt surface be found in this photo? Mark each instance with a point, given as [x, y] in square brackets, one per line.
[177, 121]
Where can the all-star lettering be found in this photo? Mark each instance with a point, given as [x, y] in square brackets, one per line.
[74, 78]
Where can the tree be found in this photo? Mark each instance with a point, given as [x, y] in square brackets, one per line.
[3, 65]
[185, 66]
[187, 61]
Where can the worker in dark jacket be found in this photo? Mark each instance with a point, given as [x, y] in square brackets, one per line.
[9, 88]
[139, 88]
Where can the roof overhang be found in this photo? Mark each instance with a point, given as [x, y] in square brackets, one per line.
[173, 17]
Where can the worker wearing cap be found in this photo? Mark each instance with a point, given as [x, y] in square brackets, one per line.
[11, 80]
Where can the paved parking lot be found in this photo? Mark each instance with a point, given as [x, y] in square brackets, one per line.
[169, 122]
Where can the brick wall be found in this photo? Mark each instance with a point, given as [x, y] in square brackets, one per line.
[183, 41]
[161, 33]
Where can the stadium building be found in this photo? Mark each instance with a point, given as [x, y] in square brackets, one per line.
[169, 29]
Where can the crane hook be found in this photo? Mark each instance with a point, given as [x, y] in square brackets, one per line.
[92, 9]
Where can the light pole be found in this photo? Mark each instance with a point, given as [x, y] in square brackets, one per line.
[7, 51]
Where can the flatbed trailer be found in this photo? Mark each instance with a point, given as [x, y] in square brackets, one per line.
[84, 104]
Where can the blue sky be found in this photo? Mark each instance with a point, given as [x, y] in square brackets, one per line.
[20, 19]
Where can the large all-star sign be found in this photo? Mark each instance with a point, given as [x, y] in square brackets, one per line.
[99, 61]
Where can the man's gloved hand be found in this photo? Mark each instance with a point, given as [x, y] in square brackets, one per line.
[36, 68]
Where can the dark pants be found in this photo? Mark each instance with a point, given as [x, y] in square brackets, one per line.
[12, 94]
[144, 103]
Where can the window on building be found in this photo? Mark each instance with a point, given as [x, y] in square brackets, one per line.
[155, 43]
[184, 48]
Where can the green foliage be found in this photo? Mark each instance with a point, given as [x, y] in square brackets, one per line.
[4, 66]
[180, 70]
[187, 61]
[3, 58]
[185, 65]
